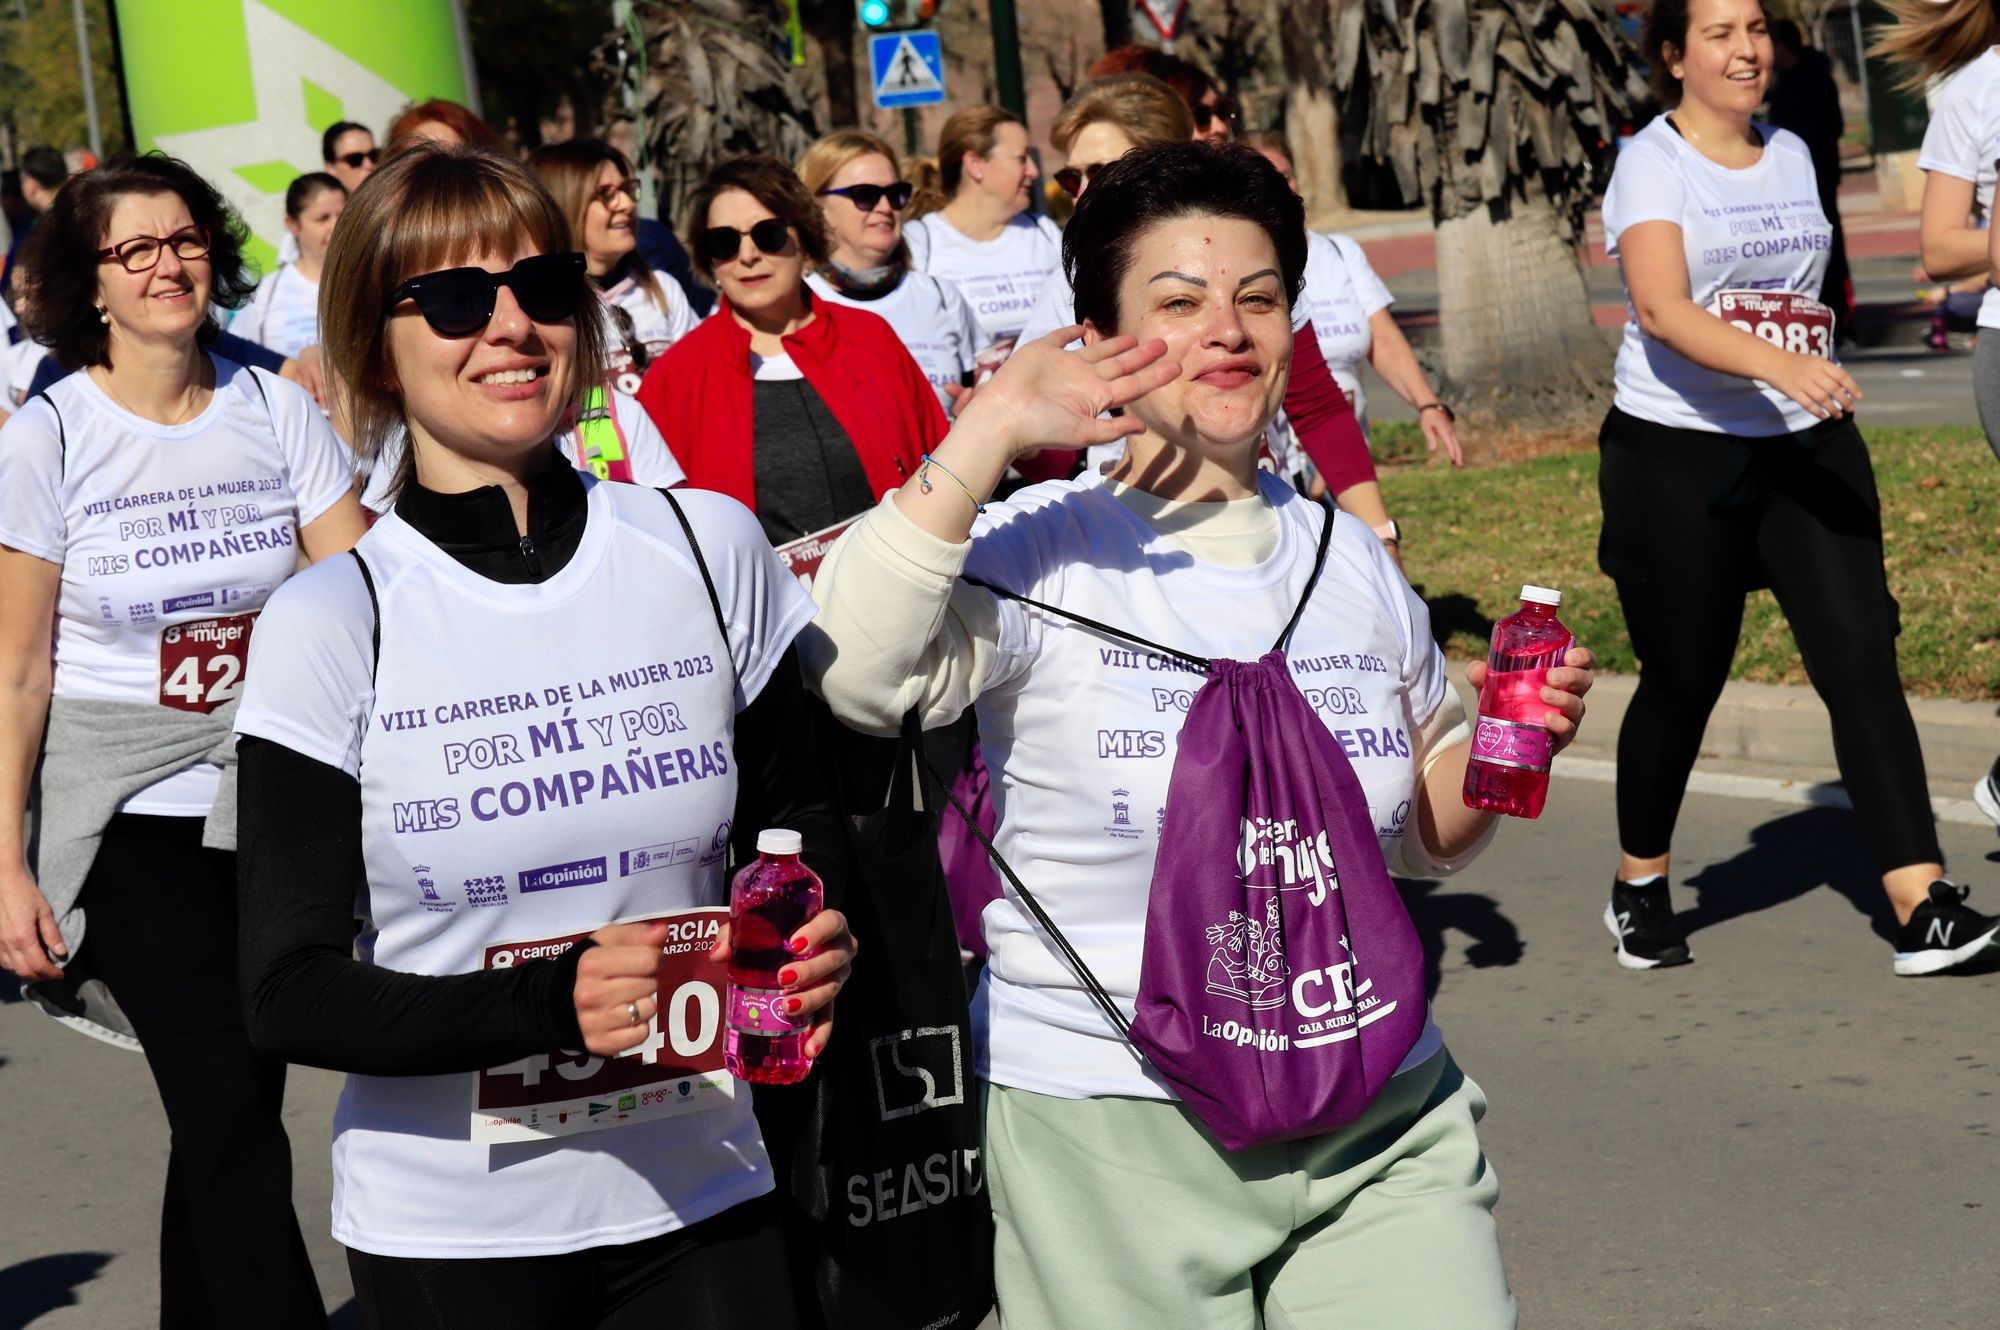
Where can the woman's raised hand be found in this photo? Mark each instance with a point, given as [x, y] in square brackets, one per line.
[1047, 397]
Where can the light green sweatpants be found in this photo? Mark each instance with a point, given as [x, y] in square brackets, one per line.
[1125, 1214]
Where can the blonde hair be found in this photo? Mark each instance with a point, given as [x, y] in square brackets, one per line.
[1934, 38]
[1145, 108]
[823, 160]
[928, 180]
[569, 172]
[427, 208]
[973, 130]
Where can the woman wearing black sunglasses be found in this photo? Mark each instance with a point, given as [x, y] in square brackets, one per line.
[862, 195]
[532, 704]
[149, 503]
[805, 410]
[350, 153]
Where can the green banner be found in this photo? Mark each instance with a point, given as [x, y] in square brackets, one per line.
[242, 90]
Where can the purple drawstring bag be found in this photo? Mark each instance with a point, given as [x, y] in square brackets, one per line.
[1282, 982]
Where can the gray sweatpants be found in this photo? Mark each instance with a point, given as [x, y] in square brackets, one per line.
[1986, 386]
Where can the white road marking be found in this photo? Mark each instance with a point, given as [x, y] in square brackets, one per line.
[1770, 789]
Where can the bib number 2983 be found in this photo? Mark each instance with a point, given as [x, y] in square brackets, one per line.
[1786, 319]
[202, 663]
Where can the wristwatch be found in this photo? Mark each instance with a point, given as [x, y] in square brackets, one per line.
[1449, 414]
[1390, 532]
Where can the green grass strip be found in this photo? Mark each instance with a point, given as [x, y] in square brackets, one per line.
[1474, 536]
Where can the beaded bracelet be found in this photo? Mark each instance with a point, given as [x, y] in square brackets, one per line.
[924, 481]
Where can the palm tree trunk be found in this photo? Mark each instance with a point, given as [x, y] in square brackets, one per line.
[1117, 15]
[1312, 120]
[1519, 340]
[832, 26]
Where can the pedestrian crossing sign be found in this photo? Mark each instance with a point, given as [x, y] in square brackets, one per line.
[907, 68]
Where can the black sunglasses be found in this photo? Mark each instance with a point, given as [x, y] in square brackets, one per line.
[458, 302]
[353, 160]
[720, 244]
[1073, 179]
[1224, 110]
[865, 197]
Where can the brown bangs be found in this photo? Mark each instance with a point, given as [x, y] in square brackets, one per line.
[429, 207]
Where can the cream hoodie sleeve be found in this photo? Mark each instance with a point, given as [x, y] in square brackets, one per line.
[897, 629]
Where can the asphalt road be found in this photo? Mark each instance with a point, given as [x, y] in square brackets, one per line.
[1782, 1135]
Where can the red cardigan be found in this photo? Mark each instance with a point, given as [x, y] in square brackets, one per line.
[699, 395]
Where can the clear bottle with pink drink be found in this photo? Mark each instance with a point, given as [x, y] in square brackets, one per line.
[770, 900]
[1508, 771]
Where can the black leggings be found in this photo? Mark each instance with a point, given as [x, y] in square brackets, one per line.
[161, 914]
[1692, 521]
[724, 1273]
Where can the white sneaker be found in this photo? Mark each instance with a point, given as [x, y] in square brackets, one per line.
[1986, 793]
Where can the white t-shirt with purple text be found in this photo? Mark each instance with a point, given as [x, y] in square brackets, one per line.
[1758, 227]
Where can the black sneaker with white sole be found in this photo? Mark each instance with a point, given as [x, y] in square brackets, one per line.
[1642, 919]
[1945, 934]
[1986, 792]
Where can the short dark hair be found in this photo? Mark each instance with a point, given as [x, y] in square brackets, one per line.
[306, 188]
[1159, 183]
[333, 133]
[59, 265]
[1786, 33]
[45, 166]
[772, 183]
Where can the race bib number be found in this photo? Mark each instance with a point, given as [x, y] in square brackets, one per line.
[202, 663]
[677, 1069]
[803, 556]
[1785, 319]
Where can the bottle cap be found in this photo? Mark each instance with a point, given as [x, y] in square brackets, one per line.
[1541, 595]
[777, 840]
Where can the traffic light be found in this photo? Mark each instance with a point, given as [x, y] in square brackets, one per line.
[889, 15]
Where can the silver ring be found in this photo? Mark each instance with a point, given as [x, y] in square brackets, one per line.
[631, 1013]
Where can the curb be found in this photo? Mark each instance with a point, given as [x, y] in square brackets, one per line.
[1783, 729]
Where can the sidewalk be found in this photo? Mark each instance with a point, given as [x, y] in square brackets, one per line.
[1775, 741]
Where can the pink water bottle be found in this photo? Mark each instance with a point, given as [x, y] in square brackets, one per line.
[770, 900]
[1509, 768]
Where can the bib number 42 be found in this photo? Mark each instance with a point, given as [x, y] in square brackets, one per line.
[202, 663]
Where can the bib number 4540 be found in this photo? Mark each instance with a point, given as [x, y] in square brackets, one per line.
[689, 1023]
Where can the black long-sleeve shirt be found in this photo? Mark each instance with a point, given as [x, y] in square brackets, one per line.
[299, 853]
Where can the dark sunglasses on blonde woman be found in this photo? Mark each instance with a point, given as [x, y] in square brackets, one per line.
[458, 302]
[720, 244]
[865, 197]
